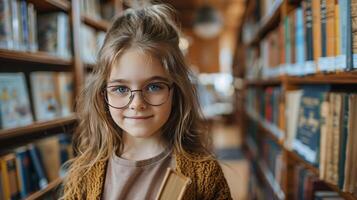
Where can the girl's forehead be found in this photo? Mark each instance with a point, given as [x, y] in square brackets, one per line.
[137, 66]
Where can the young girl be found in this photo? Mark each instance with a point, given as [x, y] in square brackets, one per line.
[139, 115]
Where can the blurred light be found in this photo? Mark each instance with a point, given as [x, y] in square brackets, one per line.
[183, 44]
[208, 22]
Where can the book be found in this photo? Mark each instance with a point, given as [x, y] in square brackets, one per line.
[65, 92]
[15, 107]
[292, 112]
[49, 151]
[173, 185]
[307, 140]
[38, 166]
[23, 171]
[5, 24]
[44, 95]
[54, 34]
[9, 176]
[354, 32]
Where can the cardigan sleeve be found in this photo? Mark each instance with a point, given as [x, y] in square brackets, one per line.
[212, 182]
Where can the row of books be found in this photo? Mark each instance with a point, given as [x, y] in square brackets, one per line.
[318, 123]
[98, 9]
[23, 29]
[315, 37]
[30, 168]
[303, 183]
[51, 97]
[307, 186]
[91, 41]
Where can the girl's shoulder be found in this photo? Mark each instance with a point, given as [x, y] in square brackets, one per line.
[197, 162]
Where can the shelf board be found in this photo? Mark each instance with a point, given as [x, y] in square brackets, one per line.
[100, 25]
[51, 5]
[39, 194]
[264, 82]
[36, 127]
[337, 78]
[33, 57]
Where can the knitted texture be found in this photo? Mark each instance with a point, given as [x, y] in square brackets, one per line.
[207, 180]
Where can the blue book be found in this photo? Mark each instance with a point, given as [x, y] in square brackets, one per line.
[38, 166]
[307, 139]
[323, 29]
[300, 41]
[345, 35]
[24, 24]
[23, 169]
[343, 140]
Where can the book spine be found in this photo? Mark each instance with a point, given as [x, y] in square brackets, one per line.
[343, 141]
[316, 26]
[344, 31]
[25, 24]
[300, 41]
[323, 29]
[354, 32]
[330, 28]
[308, 30]
[5, 25]
[38, 166]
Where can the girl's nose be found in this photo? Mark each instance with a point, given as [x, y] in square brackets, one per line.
[137, 103]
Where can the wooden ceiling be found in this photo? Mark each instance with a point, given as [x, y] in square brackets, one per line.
[231, 10]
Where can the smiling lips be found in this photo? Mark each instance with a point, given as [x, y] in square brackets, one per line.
[140, 117]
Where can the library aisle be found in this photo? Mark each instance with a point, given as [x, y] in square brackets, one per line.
[227, 145]
[277, 80]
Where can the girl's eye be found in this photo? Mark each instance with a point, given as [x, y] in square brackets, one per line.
[121, 90]
[154, 87]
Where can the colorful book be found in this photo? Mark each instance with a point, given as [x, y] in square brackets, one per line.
[9, 177]
[15, 107]
[45, 96]
[23, 171]
[307, 140]
[49, 151]
[65, 90]
[354, 32]
[5, 24]
[38, 166]
[53, 34]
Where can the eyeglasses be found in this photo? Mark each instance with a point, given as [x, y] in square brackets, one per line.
[154, 94]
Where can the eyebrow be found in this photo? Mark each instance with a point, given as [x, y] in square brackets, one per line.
[160, 78]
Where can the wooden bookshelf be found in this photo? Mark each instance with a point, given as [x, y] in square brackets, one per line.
[266, 23]
[320, 78]
[22, 135]
[33, 58]
[28, 62]
[36, 127]
[97, 24]
[291, 154]
[50, 187]
[51, 5]
[250, 151]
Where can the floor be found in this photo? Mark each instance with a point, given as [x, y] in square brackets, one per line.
[227, 142]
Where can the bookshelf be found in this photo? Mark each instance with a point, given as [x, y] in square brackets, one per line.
[269, 91]
[27, 61]
[40, 194]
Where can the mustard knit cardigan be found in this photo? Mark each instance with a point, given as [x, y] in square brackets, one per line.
[208, 181]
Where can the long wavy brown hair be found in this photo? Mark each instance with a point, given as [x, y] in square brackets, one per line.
[152, 30]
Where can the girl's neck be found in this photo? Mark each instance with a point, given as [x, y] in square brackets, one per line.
[142, 148]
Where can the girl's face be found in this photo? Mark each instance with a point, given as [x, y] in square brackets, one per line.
[139, 71]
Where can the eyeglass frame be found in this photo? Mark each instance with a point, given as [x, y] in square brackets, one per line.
[131, 97]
